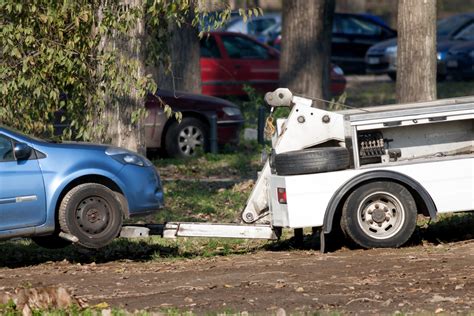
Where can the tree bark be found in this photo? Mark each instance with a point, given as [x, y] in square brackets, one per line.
[306, 47]
[119, 128]
[351, 6]
[185, 57]
[416, 53]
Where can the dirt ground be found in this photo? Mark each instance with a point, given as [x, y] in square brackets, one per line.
[424, 278]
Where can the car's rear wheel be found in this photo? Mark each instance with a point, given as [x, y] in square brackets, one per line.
[186, 138]
[92, 213]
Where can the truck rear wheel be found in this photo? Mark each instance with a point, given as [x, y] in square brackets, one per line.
[379, 214]
[312, 160]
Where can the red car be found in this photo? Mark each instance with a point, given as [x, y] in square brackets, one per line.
[231, 60]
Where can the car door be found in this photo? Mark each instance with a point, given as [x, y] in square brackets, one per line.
[253, 64]
[217, 74]
[22, 193]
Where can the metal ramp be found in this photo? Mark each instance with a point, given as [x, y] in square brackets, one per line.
[211, 230]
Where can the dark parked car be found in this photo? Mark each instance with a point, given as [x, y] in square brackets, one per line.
[382, 57]
[352, 35]
[183, 139]
[460, 57]
[231, 60]
[460, 61]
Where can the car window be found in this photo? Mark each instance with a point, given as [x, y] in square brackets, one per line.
[467, 34]
[353, 25]
[260, 25]
[6, 149]
[236, 25]
[243, 48]
[209, 48]
[449, 25]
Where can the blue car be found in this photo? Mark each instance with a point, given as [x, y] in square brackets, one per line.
[58, 193]
[460, 61]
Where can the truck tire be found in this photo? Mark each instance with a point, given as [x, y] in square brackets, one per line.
[379, 214]
[184, 139]
[312, 160]
[92, 213]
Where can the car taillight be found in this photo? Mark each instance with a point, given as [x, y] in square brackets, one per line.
[281, 192]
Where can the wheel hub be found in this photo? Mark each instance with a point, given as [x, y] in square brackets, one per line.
[381, 215]
[378, 216]
[93, 215]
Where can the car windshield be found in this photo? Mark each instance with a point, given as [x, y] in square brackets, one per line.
[449, 25]
[275, 28]
[467, 34]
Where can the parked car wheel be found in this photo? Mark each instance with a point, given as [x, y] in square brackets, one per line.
[92, 213]
[186, 138]
[379, 214]
[51, 241]
[312, 160]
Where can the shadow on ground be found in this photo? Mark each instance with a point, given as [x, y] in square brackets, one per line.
[448, 228]
[21, 253]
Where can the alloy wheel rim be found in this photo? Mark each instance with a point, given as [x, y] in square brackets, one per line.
[189, 139]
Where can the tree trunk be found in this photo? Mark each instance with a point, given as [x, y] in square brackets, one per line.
[306, 47]
[416, 53]
[119, 127]
[185, 57]
[351, 6]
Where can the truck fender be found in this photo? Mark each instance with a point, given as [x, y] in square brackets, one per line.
[375, 175]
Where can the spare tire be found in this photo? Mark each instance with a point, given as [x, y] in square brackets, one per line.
[312, 160]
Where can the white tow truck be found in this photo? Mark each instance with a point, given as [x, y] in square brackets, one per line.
[368, 172]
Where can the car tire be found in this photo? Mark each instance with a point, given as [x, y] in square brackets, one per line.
[379, 214]
[392, 75]
[184, 139]
[51, 241]
[312, 160]
[92, 213]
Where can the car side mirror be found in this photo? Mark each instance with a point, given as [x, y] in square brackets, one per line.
[22, 151]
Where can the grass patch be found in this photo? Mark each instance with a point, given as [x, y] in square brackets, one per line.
[204, 201]
[10, 310]
[241, 162]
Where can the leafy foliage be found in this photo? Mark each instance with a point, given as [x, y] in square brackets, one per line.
[66, 61]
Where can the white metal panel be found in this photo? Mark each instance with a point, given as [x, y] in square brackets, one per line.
[412, 120]
[304, 128]
[279, 211]
[218, 230]
[450, 184]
